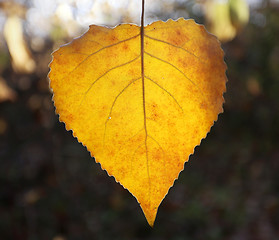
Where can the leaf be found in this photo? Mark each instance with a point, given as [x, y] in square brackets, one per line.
[226, 18]
[140, 123]
[219, 20]
[239, 13]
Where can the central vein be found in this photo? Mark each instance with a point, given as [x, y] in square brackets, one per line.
[142, 63]
[143, 89]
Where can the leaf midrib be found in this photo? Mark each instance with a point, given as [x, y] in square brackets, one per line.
[143, 95]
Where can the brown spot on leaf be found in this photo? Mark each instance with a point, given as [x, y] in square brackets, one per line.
[157, 155]
[178, 38]
[154, 115]
[113, 38]
[70, 117]
[94, 29]
[203, 105]
[125, 47]
[183, 62]
[132, 72]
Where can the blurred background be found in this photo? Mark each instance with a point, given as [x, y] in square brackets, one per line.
[50, 187]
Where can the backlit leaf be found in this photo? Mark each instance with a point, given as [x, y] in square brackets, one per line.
[140, 111]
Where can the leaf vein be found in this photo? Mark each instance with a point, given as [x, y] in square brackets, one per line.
[92, 54]
[174, 68]
[179, 47]
[81, 53]
[112, 106]
[166, 92]
[121, 65]
[89, 40]
[163, 28]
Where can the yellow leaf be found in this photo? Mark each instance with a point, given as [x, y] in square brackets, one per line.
[239, 13]
[140, 111]
[219, 20]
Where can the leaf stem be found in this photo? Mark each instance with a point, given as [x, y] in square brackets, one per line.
[142, 14]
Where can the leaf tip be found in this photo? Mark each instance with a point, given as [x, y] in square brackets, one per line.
[150, 213]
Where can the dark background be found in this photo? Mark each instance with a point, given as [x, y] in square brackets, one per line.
[50, 187]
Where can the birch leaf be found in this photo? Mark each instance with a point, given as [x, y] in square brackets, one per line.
[140, 103]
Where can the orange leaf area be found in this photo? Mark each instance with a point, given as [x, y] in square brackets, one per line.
[140, 110]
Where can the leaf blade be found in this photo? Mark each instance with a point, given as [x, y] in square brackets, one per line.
[141, 131]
